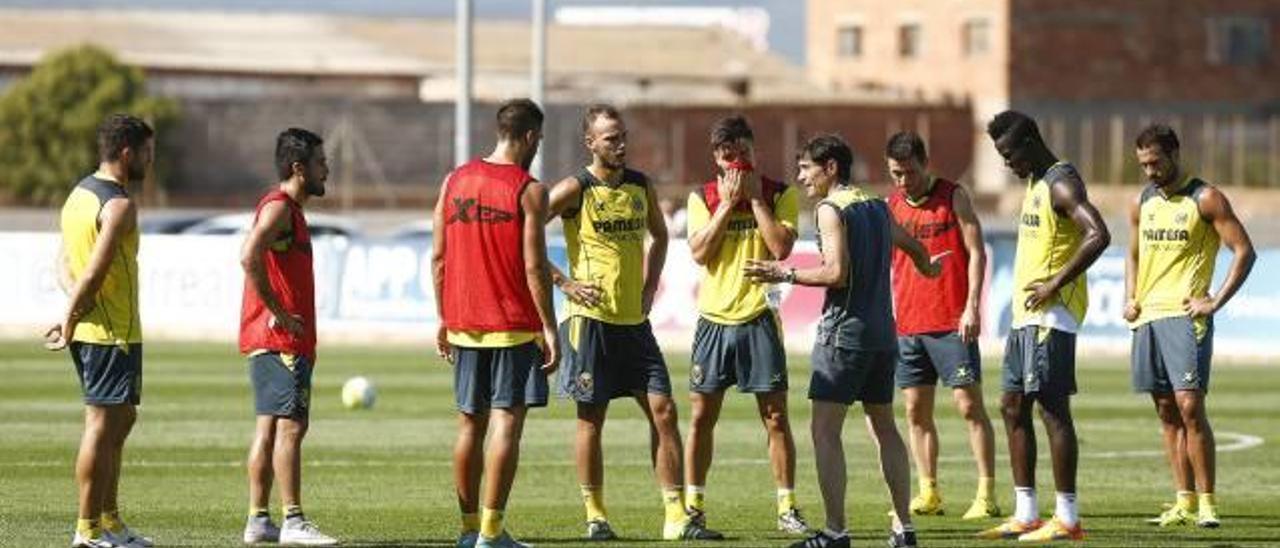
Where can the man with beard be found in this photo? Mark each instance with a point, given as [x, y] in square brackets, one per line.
[609, 348]
[278, 334]
[98, 269]
[498, 326]
[1177, 223]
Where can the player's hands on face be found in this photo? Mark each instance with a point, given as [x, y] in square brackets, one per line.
[1198, 307]
[970, 325]
[1042, 292]
[750, 185]
[764, 271]
[582, 293]
[443, 348]
[56, 337]
[550, 345]
[1131, 310]
[730, 186]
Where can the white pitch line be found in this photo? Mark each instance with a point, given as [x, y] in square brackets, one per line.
[1240, 442]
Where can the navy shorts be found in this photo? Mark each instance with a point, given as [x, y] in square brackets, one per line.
[845, 375]
[281, 385]
[924, 358]
[1040, 360]
[109, 374]
[749, 355]
[1167, 356]
[498, 378]
[603, 361]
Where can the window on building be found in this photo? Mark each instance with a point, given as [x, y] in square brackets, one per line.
[849, 41]
[976, 37]
[909, 40]
[1238, 41]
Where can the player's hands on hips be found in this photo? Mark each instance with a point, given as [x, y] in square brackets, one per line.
[289, 322]
[1042, 292]
[1198, 307]
[1131, 310]
[765, 271]
[970, 325]
[646, 299]
[56, 337]
[550, 345]
[443, 348]
[582, 293]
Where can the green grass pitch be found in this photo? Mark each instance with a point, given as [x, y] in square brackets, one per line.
[382, 477]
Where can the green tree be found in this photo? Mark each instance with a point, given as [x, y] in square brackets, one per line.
[49, 120]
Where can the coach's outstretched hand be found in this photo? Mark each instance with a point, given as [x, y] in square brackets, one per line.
[764, 271]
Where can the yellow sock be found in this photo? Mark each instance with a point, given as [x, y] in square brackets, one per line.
[1186, 501]
[674, 504]
[928, 486]
[88, 528]
[786, 500]
[470, 522]
[490, 523]
[291, 510]
[986, 488]
[593, 499]
[695, 497]
[1207, 500]
[263, 511]
[111, 521]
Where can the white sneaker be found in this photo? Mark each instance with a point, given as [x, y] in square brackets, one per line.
[81, 542]
[127, 538]
[260, 529]
[301, 532]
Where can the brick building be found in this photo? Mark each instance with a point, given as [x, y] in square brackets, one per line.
[1091, 71]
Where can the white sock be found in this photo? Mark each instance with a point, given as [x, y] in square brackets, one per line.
[1066, 510]
[835, 534]
[1026, 509]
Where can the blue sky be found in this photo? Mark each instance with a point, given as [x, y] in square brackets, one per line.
[786, 32]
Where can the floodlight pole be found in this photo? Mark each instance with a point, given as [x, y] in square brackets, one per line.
[538, 69]
[462, 105]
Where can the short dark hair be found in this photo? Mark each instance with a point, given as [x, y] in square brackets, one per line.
[1158, 135]
[295, 145]
[1012, 124]
[905, 145]
[517, 117]
[120, 131]
[822, 148]
[599, 110]
[730, 129]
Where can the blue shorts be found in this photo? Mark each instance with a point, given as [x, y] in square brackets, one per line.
[603, 361]
[498, 378]
[749, 355]
[845, 375]
[1040, 360]
[1167, 356]
[926, 357]
[281, 385]
[108, 373]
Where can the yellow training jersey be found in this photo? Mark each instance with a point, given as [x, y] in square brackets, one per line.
[1046, 241]
[726, 296]
[114, 318]
[1177, 250]
[605, 235]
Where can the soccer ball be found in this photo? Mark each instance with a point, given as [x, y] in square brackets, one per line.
[358, 393]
